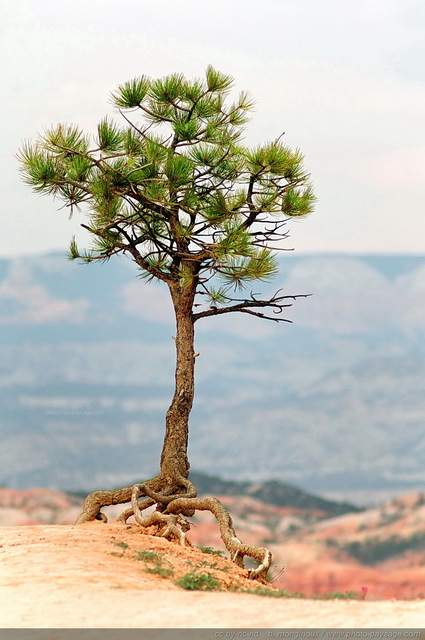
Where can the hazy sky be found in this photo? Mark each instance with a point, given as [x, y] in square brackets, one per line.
[344, 80]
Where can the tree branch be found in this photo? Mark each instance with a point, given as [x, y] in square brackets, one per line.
[277, 303]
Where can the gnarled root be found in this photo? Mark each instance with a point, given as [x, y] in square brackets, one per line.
[237, 549]
[98, 499]
[153, 488]
[171, 525]
[177, 500]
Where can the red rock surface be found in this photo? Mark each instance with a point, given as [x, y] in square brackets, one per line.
[37, 506]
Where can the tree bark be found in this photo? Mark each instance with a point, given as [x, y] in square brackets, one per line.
[174, 459]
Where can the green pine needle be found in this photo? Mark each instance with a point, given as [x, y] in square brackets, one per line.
[132, 93]
[218, 82]
[239, 272]
[110, 136]
[298, 201]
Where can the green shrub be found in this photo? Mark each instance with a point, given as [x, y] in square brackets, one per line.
[122, 545]
[274, 593]
[149, 556]
[161, 570]
[211, 551]
[339, 595]
[194, 581]
[154, 563]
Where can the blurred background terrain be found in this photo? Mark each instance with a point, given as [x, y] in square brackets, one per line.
[333, 403]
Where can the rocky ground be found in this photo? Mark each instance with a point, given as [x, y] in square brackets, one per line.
[51, 571]
[111, 576]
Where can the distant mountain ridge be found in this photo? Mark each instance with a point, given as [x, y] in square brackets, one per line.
[333, 403]
[270, 492]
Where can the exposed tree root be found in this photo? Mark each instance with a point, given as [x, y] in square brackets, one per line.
[169, 525]
[175, 502]
[159, 490]
[237, 549]
[98, 499]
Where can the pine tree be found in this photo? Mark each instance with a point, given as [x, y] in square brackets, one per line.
[174, 188]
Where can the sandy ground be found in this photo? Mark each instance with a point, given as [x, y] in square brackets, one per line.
[99, 576]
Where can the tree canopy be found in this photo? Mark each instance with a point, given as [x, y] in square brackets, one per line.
[178, 190]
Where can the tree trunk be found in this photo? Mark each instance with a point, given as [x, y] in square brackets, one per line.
[170, 490]
[174, 460]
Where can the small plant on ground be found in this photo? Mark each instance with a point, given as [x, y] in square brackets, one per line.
[122, 545]
[155, 563]
[282, 593]
[210, 550]
[338, 595]
[194, 581]
[148, 556]
[274, 593]
[205, 563]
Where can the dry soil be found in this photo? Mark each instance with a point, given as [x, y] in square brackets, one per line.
[99, 576]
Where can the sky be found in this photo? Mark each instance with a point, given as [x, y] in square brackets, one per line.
[345, 81]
